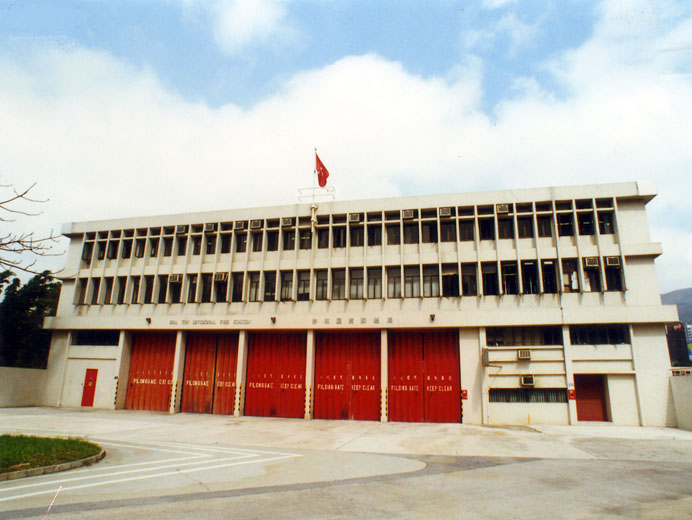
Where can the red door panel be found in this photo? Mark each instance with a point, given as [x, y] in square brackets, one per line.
[332, 381]
[151, 371]
[226, 366]
[198, 376]
[406, 396]
[365, 369]
[591, 405]
[89, 387]
[292, 379]
[442, 387]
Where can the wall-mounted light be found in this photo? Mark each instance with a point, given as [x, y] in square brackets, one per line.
[149, 321]
[432, 317]
[273, 319]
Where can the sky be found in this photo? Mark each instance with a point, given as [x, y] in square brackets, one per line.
[144, 107]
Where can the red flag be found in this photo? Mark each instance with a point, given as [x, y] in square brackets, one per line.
[322, 172]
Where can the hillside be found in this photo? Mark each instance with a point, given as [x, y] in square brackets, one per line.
[683, 299]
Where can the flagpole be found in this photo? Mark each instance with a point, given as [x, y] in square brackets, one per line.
[313, 208]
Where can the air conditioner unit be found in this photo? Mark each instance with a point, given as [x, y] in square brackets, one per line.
[286, 221]
[445, 212]
[174, 278]
[526, 380]
[485, 357]
[524, 354]
[220, 277]
[354, 217]
[209, 227]
[256, 224]
[239, 224]
[591, 261]
[613, 260]
[180, 230]
[502, 208]
[407, 213]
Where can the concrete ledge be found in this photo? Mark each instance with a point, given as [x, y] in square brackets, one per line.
[45, 470]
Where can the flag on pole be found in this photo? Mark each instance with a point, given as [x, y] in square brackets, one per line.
[322, 172]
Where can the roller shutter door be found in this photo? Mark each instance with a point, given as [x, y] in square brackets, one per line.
[424, 376]
[276, 375]
[347, 376]
[225, 374]
[151, 371]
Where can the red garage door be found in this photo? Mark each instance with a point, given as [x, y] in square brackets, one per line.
[347, 376]
[151, 371]
[424, 376]
[209, 376]
[276, 375]
[591, 405]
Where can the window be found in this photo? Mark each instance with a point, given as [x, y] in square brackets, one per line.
[469, 285]
[87, 252]
[570, 277]
[447, 231]
[206, 287]
[592, 277]
[431, 281]
[182, 246]
[613, 276]
[196, 245]
[226, 243]
[565, 227]
[545, 225]
[489, 274]
[486, 228]
[289, 240]
[257, 242]
[549, 269]
[356, 283]
[286, 286]
[524, 336]
[375, 235]
[586, 224]
[528, 395]
[122, 285]
[148, 289]
[338, 284]
[525, 227]
[96, 337]
[412, 281]
[210, 244]
[112, 253]
[168, 246]
[323, 238]
[126, 249]
[599, 334]
[303, 286]
[273, 241]
[140, 244]
[153, 247]
[393, 282]
[339, 236]
[237, 290]
[269, 286]
[321, 284]
[305, 239]
[254, 281]
[357, 236]
[605, 223]
[220, 290]
[374, 282]
[134, 283]
[505, 228]
[175, 289]
[191, 288]
[393, 234]
[411, 233]
[109, 291]
[240, 242]
[100, 250]
[450, 280]
[83, 284]
[163, 288]
[529, 276]
[466, 230]
[510, 282]
[429, 231]
[95, 287]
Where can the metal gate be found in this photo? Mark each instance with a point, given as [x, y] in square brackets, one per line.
[209, 375]
[151, 372]
[347, 376]
[590, 394]
[276, 374]
[424, 383]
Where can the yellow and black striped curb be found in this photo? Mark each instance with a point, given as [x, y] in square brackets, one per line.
[45, 470]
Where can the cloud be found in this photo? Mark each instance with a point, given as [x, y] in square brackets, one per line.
[105, 139]
[239, 24]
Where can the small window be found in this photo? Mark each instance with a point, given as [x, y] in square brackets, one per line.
[528, 395]
[237, 290]
[356, 283]
[466, 230]
[289, 240]
[182, 246]
[269, 286]
[95, 287]
[226, 243]
[510, 279]
[206, 287]
[303, 286]
[168, 246]
[549, 268]
[87, 252]
[565, 227]
[393, 282]
[429, 231]
[305, 239]
[505, 227]
[134, 284]
[570, 276]
[122, 285]
[100, 250]
[153, 247]
[411, 233]
[323, 238]
[220, 291]
[140, 244]
[321, 284]
[613, 276]
[592, 278]
[525, 227]
[191, 288]
[148, 289]
[586, 224]
[529, 276]
[486, 227]
[374, 282]
[490, 282]
[339, 237]
[286, 286]
[272, 240]
[357, 238]
[545, 225]
[374, 235]
[163, 288]
[431, 281]
[257, 242]
[393, 234]
[175, 290]
[605, 223]
[108, 293]
[253, 287]
[112, 253]
[196, 245]
[450, 280]
[447, 231]
[412, 281]
[469, 284]
[240, 242]
[338, 284]
[210, 244]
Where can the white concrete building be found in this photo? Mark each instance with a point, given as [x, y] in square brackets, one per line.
[506, 307]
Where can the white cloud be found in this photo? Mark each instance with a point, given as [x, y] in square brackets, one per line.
[497, 4]
[241, 23]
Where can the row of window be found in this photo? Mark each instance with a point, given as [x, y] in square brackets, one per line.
[338, 236]
[524, 277]
[606, 334]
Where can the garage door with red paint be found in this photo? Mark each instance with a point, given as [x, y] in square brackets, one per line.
[209, 375]
[347, 376]
[590, 394]
[424, 383]
[276, 375]
[151, 372]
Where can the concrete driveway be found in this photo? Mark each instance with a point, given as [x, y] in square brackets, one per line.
[205, 466]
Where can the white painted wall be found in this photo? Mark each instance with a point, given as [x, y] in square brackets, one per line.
[74, 382]
[528, 413]
[471, 375]
[682, 395]
[22, 386]
[622, 400]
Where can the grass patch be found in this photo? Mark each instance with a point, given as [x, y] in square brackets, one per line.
[19, 452]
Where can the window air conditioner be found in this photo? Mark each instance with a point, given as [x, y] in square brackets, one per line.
[445, 212]
[239, 224]
[526, 380]
[209, 227]
[502, 208]
[174, 278]
[613, 260]
[255, 224]
[591, 261]
[220, 277]
[524, 354]
[180, 230]
[286, 221]
[407, 213]
[354, 217]
[485, 357]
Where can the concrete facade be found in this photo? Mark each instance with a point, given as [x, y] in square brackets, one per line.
[547, 283]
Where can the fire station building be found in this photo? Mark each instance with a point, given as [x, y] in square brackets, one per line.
[508, 307]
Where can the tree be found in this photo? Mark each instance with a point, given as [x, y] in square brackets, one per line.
[20, 250]
[23, 341]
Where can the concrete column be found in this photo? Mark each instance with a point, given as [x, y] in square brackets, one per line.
[122, 369]
[569, 374]
[309, 374]
[240, 374]
[485, 397]
[637, 382]
[177, 378]
[63, 368]
[384, 377]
